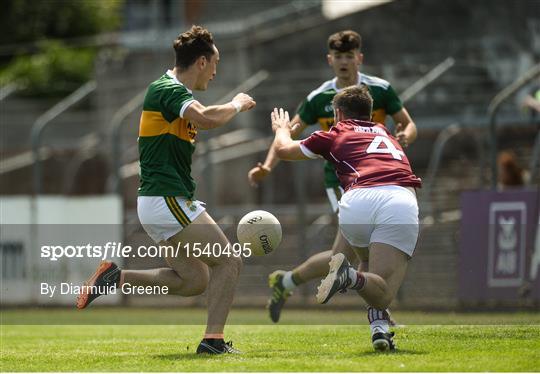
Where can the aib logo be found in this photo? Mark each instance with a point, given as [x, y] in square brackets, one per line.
[507, 239]
[507, 236]
[254, 220]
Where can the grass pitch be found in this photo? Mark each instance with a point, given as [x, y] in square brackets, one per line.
[444, 342]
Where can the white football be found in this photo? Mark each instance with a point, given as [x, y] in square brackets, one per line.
[261, 230]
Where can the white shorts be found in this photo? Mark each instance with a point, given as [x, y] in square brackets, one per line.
[163, 217]
[384, 214]
[334, 195]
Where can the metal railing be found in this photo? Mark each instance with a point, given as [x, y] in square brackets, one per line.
[427, 79]
[249, 84]
[434, 163]
[22, 160]
[7, 90]
[116, 125]
[534, 165]
[44, 120]
[435, 160]
[86, 149]
[226, 147]
[246, 86]
[493, 109]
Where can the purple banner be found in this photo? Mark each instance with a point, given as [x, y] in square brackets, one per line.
[500, 249]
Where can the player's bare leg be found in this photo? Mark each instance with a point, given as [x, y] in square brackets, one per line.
[378, 286]
[313, 268]
[189, 276]
[224, 270]
[186, 276]
[387, 269]
[222, 281]
[363, 255]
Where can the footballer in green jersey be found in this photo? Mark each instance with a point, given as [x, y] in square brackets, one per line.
[166, 140]
[168, 127]
[345, 58]
[316, 109]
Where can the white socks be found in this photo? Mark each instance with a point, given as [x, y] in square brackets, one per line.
[353, 276]
[288, 283]
[378, 320]
[379, 326]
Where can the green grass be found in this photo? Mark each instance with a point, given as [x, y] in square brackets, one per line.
[510, 343]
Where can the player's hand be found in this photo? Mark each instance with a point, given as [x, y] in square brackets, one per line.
[401, 136]
[246, 102]
[280, 119]
[257, 174]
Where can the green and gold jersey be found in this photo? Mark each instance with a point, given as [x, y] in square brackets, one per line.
[166, 140]
[317, 109]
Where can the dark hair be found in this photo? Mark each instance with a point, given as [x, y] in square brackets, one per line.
[345, 41]
[355, 102]
[510, 173]
[191, 45]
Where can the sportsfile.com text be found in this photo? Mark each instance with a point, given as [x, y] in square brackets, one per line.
[114, 249]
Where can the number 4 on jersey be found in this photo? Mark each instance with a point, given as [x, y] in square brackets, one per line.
[390, 148]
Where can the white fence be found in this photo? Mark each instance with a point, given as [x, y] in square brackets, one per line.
[28, 224]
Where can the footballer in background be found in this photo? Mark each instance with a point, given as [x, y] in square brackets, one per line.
[345, 58]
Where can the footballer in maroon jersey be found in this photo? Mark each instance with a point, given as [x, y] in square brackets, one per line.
[378, 211]
[364, 154]
[345, 57]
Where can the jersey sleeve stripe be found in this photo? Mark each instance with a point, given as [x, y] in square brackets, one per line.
[184, 107]
[305, 150]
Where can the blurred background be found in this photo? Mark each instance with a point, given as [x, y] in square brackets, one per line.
[73, 75]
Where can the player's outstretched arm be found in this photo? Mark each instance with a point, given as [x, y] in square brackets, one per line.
[285, 147]
[406, 132]
[259, 172]
[211, 117]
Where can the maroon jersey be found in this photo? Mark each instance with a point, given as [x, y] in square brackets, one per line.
[364, 153]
